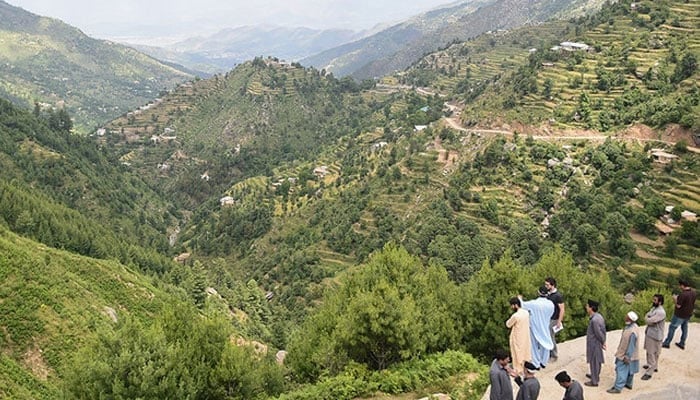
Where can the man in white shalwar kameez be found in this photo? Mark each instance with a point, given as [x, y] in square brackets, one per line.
[541, 310]
[519, 324]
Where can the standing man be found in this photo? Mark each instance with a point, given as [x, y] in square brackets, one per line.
[555, 324]
[530, 389]
[595, 342]
[499, 376]
[519, 324]
[541, 310]
[685, 303]
[654, 333]
[627, 355]
[574, 390]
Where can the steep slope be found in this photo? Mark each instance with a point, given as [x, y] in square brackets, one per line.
[206, 135]
[63, 191]
[52, 302]
[294, 176]
[44, 60]
[401, 45]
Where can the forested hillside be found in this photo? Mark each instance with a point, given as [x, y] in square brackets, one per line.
[43, 60]
[66, 192]
[374, 230]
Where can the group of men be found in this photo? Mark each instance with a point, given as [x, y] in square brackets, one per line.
[535, 323]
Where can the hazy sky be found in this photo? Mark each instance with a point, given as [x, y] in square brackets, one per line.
[144, 18]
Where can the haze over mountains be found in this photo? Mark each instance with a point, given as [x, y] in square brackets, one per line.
[364, 54]
[225, 49]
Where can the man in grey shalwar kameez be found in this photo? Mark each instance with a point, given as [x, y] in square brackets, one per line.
[574, 391]
[499, 377]
[654, 334]
[530, 388]
[595, 342]
[541, 310]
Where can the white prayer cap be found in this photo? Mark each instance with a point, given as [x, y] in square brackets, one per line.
[632, 316]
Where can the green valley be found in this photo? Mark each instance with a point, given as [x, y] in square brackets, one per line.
[276, 232]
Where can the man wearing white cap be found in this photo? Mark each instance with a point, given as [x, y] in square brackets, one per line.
[530, 387]
[627, 355]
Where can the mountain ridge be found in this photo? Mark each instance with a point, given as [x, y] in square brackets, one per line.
[401, 45]
[223, 50]
[44, 60]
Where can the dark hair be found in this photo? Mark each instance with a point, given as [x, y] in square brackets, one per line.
[683, 282]
[563, 377]
[542, 291]
[514, 300]
[530, 366]
[501, 354]
[593, 305]
[551, 281]
[660, 297]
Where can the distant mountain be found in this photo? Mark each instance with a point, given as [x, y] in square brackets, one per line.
[225, 49]
[401, 45]
[45, 60]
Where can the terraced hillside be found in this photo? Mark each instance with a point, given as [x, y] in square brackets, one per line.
[661, 257]
[453, 196]
[237, 125]
[633, 62]
[401, 45]
[45, 61]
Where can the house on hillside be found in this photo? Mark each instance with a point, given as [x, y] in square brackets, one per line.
[689, 216]
[227, 201]
[662, 157]
[379, 145]
[321, 171]
[663, 229]
[419, 128]
[572, 47]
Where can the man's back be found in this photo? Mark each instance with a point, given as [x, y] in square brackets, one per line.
[574, 391]
[530, 389]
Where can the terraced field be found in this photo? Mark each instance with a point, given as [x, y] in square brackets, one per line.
[639, 50]
[682, 190]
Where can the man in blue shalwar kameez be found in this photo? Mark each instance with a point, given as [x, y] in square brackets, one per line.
[627, 355]
[541, 310]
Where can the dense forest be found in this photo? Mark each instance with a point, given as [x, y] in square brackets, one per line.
[372, 232]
